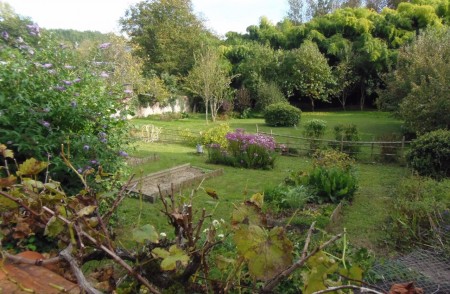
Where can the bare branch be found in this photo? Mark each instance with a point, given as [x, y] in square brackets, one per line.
[20, 203]
[82, 282]
[113, 255]
[308, 239]
[38, 262]
[118, 200]
[362, 289]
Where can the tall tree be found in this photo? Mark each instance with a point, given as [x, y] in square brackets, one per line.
[210, 79]
[295, 12]
[168, 33]
[419, 88]
[307, 72]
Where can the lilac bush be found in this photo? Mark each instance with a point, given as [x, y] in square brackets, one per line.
[50, 95]
[245, 150]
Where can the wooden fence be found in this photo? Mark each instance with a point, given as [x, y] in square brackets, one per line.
[364, 151]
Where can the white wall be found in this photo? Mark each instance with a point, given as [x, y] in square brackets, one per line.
[181, 105]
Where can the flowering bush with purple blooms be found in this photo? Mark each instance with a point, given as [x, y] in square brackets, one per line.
[245, 150]
[46, 101]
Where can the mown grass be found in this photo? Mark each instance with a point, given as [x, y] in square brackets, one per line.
[363, 218]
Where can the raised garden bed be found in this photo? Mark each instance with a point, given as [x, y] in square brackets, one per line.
[171, 180]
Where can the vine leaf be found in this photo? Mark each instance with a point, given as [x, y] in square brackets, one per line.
[32, 185]
[257, 199]
[354, 273]
[31, 167]
[6, 152]
[7, 182]
[223, 262]
[87, 210]
[145, 233]
[320, 266]
[53, 227]
[248, 214]
[267, 252]
[171, 258]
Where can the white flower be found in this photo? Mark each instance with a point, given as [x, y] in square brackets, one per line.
[221, 236]
[205, 230]
[216, 223]
[163, 235]
[222, 221]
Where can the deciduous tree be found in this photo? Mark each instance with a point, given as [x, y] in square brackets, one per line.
[210, 79]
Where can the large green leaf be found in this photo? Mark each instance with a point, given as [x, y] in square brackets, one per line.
[248, 214]
[31, 167]
[145, 233]
[267, 252]
[320, 266]
[171, 258]
[54, 227]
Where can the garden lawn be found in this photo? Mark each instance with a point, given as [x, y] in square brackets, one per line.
[363, 218]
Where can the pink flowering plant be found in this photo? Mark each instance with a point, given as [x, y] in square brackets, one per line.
[245, 150]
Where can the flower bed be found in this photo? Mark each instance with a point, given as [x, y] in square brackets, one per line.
[244, 150]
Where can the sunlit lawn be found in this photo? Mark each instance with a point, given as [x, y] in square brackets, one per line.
[363, 218]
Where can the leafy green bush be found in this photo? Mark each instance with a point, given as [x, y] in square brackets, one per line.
[50, 96]
[430, 154]
[282, 115]
[314, 129]
[269, 93]
[332, 184]
[346, 135]
[333, 178]
[420, 213]
[288, 197]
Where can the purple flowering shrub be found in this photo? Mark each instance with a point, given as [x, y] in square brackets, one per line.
[245, 150]
[49, 96]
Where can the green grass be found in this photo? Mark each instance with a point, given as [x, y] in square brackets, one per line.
[371, 124]
[362, 219]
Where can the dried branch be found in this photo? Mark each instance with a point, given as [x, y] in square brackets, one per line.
[362, 289]
[81, 280]
[118, 200]
[20, 203]
[273, 282]
[308, 239]
[112, 254]
[37, 262]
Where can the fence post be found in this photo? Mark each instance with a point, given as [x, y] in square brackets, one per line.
[403, 147]
[342, 143]
[371, 150]
[257, 130]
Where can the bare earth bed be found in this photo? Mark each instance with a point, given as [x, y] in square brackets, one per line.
[171, 180]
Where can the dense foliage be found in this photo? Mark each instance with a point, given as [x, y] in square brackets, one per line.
[332, 178]
[49, 97]
[430, 154]
[420, 214]
[417, 89]
[347, 135]
[282, 115]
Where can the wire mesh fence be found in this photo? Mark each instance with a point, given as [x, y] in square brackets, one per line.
[429, 270]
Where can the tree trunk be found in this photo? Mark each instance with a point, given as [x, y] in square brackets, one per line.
[206, 108]
[363, 97]
[312, 104]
